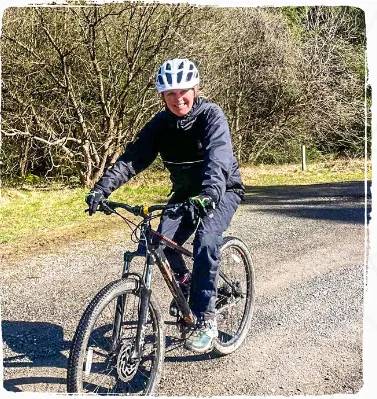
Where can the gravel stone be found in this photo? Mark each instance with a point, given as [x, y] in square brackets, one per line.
[307, 330]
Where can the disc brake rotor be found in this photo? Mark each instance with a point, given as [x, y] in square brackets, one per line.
[126, 366]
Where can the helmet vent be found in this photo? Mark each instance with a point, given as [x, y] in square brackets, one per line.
[175, 74]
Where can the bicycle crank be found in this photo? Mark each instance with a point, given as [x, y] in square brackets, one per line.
[126, 366]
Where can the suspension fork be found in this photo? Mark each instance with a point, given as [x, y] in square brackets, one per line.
[145, 294]
[119, 308]
[144, 299]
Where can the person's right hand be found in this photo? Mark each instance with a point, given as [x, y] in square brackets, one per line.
[203, 204]
[94, 198]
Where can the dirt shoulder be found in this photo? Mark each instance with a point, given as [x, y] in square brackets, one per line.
[306, 336]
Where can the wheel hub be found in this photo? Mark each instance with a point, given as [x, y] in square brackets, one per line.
[126, 366]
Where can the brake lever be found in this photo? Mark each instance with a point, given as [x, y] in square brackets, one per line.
[174, 213]
[103, 207]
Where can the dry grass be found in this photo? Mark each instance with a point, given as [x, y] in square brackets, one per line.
[35, 220]
[323, 172]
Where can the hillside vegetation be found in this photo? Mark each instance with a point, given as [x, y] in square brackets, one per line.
[38, 218]
[78, 82]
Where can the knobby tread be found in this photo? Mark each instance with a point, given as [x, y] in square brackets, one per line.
[225, 349]
[104, 296]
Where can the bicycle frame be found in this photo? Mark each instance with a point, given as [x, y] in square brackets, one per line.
[133, 363]
[151, 247]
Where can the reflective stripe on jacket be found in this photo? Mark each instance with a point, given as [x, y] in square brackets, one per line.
[196, 149]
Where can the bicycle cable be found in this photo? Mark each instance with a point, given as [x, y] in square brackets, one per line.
[127, 221]
[134, 237]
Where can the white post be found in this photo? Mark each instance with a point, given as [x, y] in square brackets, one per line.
[303, 157]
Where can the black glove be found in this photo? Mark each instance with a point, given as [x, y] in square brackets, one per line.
[203, 204]
[94, 198]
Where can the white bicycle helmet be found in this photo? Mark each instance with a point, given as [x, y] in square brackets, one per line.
[179, 73]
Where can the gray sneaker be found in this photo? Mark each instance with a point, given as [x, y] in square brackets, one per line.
[201, 338]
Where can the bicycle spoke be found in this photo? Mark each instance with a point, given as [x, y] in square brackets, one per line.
[102, 375]
[234, 301]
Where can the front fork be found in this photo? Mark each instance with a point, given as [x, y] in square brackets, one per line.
[145, 294]
[144, 298]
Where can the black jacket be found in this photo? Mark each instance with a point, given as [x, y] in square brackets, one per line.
[195, 148]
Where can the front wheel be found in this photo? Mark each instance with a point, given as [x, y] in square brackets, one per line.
[235, 295]
[100, 360]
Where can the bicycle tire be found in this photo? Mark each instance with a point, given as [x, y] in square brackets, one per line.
[112, 369]
[233, 313]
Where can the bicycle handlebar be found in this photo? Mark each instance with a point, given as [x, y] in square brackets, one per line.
[140, 210]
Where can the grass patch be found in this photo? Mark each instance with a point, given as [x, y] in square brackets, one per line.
[33, 219]
[29, 212]
[324, 172]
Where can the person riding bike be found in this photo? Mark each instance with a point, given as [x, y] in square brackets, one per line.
[192, 137]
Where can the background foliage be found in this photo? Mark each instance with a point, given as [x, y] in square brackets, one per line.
[78, 82]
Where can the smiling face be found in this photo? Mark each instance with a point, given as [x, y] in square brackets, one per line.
[180, 101]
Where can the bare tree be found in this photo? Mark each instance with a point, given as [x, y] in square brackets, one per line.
[83, 77]
[334, 69]
[251, 64]
[77, 82]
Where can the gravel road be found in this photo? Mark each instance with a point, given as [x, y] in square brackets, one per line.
[306, 337]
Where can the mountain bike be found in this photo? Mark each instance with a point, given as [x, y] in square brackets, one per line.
[119, 344]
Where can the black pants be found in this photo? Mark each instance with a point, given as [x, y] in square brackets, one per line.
[207, 243]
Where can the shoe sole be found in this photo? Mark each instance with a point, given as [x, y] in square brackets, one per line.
[201, 351]
[204, 350]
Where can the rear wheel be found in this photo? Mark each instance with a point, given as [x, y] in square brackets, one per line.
[235, 295]
[100, 364]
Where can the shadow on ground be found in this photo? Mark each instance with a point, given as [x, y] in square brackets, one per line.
[39, 345]
[343, 202]
[35, 344]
